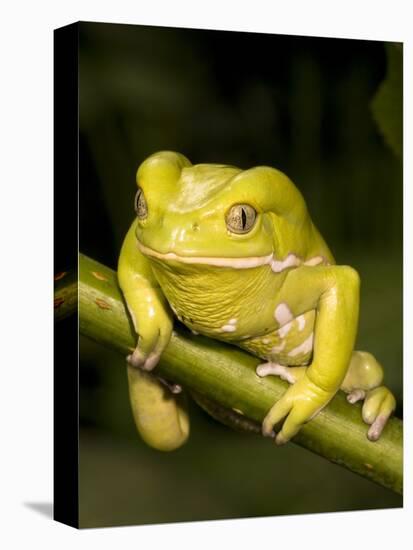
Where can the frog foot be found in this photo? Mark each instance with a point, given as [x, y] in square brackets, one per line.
[378, 405]
[266, 369]
[300, 403]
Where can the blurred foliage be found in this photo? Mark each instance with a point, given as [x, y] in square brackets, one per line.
[301, 105]
[387, 105]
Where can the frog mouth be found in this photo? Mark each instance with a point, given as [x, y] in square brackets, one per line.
[237, 263]
[291, 260]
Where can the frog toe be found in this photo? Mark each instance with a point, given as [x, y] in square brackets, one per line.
[377, 408]
[355, 396]
[277, 412]
[136, 359]
[140, 360]
[150, 347]
[172, 387]
[376, 428]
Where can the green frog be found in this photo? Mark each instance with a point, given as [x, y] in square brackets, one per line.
[234, 255]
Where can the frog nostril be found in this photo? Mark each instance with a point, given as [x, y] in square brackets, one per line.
[195, 226]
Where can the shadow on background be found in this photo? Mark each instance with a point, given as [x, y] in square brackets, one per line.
[43, 508]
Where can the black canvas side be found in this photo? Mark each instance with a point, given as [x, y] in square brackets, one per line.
[66, 376]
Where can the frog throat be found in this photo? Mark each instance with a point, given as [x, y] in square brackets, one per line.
[291, 260]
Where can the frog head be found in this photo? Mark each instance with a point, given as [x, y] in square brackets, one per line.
[221, 216]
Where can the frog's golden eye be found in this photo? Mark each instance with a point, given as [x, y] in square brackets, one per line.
[240, 218]
[141, 208]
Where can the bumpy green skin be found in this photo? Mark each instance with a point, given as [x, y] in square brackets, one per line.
[273, 290]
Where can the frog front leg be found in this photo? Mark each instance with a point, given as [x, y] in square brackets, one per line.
[147, 306]
[160, 417]
[333, 291]
[363, 381]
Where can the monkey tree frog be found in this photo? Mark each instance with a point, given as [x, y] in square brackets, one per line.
[234, 255]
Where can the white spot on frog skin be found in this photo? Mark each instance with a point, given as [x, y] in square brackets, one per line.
[284, 330]
[301, 322]
[283, 314]
[265, 340]
[317, 260]
[305, 347]
[231, 326]
[290, 261]
[277, 349]
[283, 372]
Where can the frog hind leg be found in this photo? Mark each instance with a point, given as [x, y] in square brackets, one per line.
[160, 416]
[363, 381]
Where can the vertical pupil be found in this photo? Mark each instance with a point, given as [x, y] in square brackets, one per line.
[244, 218]
[140, 205]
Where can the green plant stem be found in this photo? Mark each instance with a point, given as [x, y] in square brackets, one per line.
[224, 377]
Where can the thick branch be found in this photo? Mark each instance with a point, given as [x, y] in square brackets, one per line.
[226, 375]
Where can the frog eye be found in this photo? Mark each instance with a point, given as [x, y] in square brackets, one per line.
[141, 207]
[240, 218]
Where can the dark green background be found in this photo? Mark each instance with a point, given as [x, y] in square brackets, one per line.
[302, 105]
